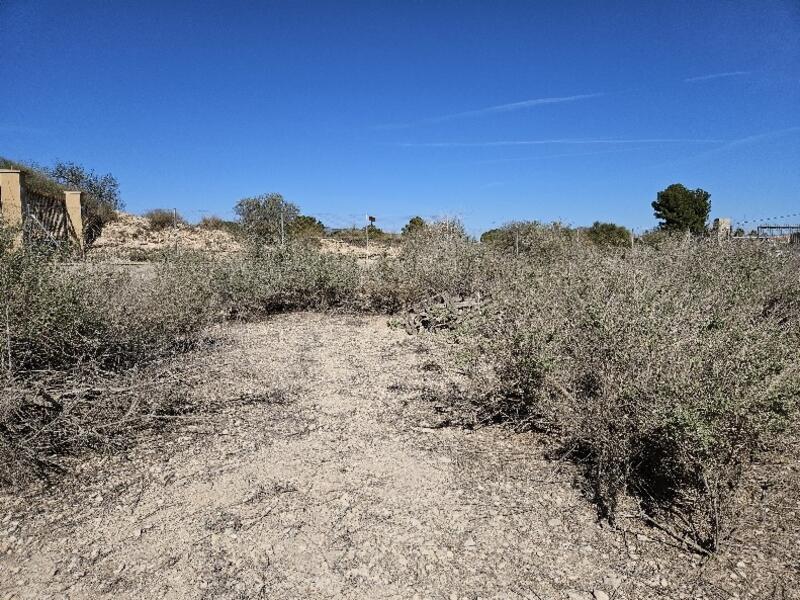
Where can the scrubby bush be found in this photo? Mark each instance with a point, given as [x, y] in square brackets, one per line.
[95, 316]
[528, 237]
[665, 370]
[80, 323]
[274, 279]
[160, 219]
[438, 259]
[265, 218]
[608, 234]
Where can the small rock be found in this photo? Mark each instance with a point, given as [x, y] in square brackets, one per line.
[600, 595]
[554, 523]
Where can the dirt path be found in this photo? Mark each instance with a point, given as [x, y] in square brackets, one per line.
[329, 482]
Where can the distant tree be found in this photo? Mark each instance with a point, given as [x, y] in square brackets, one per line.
[608, 234]
[681, 209]
[492, 236]
[523, 235]
[261, 216]
[100, 200]
[103, 188]
[414, 225]
[306, 227]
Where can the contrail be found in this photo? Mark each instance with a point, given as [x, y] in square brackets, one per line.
[561, 141]
[716, 76]
[500, 108]
[516, 106]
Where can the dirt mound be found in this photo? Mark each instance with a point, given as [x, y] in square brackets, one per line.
[130, 237]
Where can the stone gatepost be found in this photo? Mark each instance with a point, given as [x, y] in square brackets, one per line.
[74, 216]
[11, 197]
[11, 201]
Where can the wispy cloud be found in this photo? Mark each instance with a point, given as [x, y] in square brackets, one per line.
[731, 145]
[559, 155]
[499, 108]
[748, 140]
[493, 184]
[716, 76]
[565, 141]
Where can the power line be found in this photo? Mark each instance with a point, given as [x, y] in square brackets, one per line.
[763, 219]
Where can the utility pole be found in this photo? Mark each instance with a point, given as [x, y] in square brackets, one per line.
[175, 227]
[283, 233]
[366, 232]
[8, 345]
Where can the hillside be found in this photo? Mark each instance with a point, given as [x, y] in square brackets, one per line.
[130, 237]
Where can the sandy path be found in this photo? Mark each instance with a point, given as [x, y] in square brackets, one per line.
[329, 484]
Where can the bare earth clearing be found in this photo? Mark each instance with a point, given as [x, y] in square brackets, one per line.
[328, 476]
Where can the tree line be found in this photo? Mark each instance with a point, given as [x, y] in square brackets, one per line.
[270, 218]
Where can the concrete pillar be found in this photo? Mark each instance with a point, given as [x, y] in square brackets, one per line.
[11, 198]
[74, 216]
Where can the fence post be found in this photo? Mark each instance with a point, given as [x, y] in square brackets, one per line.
[74, 216]
[11, 201]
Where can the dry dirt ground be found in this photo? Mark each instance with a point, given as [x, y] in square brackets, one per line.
[330, 475]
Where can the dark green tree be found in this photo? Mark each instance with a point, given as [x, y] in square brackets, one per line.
[681, 209]
[266, 218]
[608, 234]
[414, 225]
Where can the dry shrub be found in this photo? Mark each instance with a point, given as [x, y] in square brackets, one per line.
[65, 329]
[95, 316]
[160, 219]
[271, 279]
[664, 369]
[437, 259]
[215, 223]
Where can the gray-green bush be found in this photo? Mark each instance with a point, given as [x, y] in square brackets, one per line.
[665, 370]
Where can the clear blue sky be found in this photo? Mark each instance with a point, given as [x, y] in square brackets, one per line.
[490, 111]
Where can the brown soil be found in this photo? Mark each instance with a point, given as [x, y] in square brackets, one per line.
[332, 475]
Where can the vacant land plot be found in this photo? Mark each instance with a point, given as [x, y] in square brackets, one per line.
[324, 467]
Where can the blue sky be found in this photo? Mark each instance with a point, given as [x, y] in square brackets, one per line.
[490, 111]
